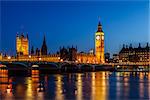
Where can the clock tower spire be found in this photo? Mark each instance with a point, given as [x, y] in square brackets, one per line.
[99, 27]
[99, 44]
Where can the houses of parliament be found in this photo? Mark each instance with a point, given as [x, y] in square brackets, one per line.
[96, 55]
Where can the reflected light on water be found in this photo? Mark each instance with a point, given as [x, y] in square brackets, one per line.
[3, 73]
[36, 85]
[100, 86]
[118, 87]
[141, 85]
[93, 87]
[141, 76]
[4, 81]
[126, 86]
[8, 90]
[59, 90]
[78, 92]
[29, 88]
[148, 84]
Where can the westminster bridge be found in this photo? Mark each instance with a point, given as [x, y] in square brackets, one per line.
[58, 67]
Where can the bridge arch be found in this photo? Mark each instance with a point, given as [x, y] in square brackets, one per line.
[69, 67]
[86, 67]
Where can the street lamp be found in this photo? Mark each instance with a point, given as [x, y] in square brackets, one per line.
[76, 61]
[40, 59]
[29, 56]
[9, 58]
[61, 60]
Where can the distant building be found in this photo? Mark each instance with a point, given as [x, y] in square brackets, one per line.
[95, 55]
[32, 50]
[83, 57]
[37, 52]
[63, 53]
[44, 47]
[107, 57]
[115, 58]
[22, 45]
[139, 54]
[69, 54]
[1, 56]
[72, 54]
[91, 51]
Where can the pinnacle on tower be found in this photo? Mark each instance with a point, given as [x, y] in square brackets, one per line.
[99, 22]
[27, 36]
[99, 26]
[44, 47]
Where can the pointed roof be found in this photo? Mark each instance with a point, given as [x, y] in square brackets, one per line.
[99, 26]
[22, 35]
[17, 34]
[27, 36]
[139, 45]
[44, 40]
[44, 46]
[99, 22]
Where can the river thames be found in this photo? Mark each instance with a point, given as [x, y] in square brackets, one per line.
[76, 86]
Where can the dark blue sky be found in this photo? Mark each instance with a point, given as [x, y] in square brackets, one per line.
[74, 23]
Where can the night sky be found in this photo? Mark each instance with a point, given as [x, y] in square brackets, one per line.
[74, 23]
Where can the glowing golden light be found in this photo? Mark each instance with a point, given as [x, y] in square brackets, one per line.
[93, 86]
[87, 61]
[97, 37]
[40, 58]
[29, 56]
[99, 46]
[59, 89]
[79, 59]
[79, 85]
[61, 60]
[99, 93]
[9, 57]
[22, 45]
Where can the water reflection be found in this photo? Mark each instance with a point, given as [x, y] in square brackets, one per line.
[94, 86]
[101, 86]
[5, 85]
[4, 81]
[79, 86]
[148, 85]
[126, 86]
[59, 90]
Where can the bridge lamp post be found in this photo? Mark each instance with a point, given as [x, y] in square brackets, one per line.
[76, 61]
[40, 59]
[58, 58]
[29, 57]
[61, 60]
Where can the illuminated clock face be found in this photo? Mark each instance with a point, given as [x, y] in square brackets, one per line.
[97, 37]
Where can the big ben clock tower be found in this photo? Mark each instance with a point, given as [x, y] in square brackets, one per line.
[99, 44]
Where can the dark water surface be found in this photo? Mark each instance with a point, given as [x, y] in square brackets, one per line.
[76, 86]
